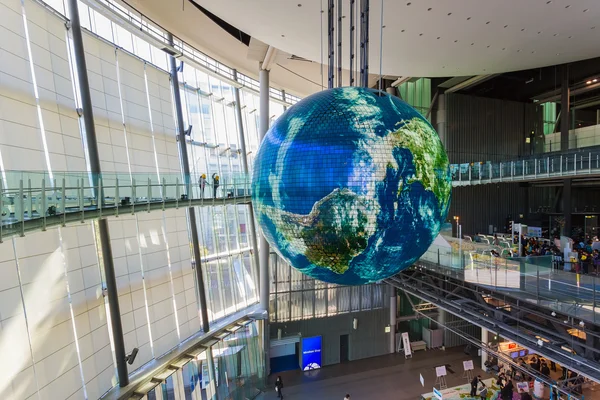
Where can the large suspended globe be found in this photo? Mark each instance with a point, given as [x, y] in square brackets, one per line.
[351, 185]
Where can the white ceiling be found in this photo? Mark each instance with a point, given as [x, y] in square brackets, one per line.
[431, 37]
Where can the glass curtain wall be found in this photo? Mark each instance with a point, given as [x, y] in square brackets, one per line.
[294, 296]
[238, 371]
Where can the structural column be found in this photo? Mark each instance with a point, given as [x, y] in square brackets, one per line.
[567, 206]
[440, 118]
[565, 108]
[393, 319]
[264, 245]
[101, 224]
[246, 168]
[191, 211]
[263, 264]
[484, 342]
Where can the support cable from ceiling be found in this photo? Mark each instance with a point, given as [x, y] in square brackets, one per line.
[381, 48]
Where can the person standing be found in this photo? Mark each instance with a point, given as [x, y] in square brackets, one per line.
[202, 184]
[215, 184]
[474, 384]
[347, 397]
[483, 391]
[279, 387]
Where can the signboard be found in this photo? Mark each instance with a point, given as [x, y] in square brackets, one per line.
[534, 231]
[406, 344]
[522, 387]
[468, 365]
[422, 380]
[440, 371]
[437, 394]
[311, 353]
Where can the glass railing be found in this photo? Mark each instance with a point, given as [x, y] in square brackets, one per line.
[539, 280]
[31, 200]
[555, 165]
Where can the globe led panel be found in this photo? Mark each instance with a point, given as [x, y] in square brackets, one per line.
[351, 185]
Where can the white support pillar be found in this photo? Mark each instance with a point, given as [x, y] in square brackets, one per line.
[264, 245]
[484, 341]
[393, 318]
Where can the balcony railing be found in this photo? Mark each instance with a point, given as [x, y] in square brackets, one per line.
[539, 280]
[541, 168]
[36, 200]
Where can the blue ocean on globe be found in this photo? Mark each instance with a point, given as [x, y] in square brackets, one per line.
[351, 185]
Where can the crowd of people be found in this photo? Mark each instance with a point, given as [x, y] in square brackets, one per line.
[526, 372]
[587, 249]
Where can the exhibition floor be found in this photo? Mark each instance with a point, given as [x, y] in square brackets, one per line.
[385, 377]
[389, 376]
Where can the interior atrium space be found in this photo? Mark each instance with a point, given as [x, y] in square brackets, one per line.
[357, 199]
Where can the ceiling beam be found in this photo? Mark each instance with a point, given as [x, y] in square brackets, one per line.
[473, 81]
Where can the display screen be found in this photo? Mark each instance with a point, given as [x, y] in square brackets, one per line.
[311, 353]
[522, 353]
[514, 354]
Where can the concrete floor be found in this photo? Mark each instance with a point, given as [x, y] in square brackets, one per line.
[385, 377]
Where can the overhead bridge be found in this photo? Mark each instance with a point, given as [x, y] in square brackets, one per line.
[36, 201]
[584, 164]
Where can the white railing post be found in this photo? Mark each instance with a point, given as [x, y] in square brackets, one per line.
[512, 170]
[575, 163]
[548, 166]
[561, 163]
[590, 162]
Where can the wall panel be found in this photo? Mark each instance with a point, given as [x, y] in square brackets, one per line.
[483, 129]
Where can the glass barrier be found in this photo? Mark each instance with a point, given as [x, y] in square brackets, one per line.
[539, 279]
[556, 165]
[31, 200]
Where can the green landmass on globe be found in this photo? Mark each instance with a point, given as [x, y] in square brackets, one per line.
[351, 185]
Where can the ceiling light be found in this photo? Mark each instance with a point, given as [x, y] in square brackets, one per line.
[588, 82]
[408, 4]
[299, 5]
[586, 10]
[429, 9]
[468, 18]
[449, 14]
[594, 80]
[549, 1]
[567, 6]
[438, 38]
[505, 26]
[487, 23]
[581, 323]
[553, 314]
[420, 34]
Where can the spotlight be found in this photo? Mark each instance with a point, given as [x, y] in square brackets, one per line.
[131, 357]
[540, 342]
[581, 324]
[588, 83]
[566, 321]
[553, 314]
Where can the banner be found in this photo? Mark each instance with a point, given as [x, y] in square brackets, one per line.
[311, 353]
[406, 344]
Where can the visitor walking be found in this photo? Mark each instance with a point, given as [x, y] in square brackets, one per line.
[347, 397]
[215, 184]
[202, 184]
[279, 387]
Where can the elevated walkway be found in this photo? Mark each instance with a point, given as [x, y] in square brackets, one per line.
[584, 163]
[35, 201]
